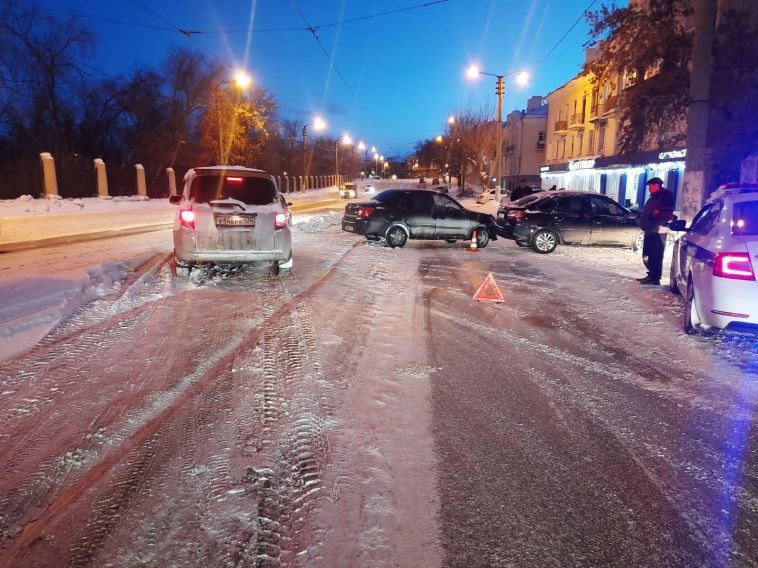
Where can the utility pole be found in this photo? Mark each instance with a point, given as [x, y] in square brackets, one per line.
[305, 151]
[499, 150]
[696, 171]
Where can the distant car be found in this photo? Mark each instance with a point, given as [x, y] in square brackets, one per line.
[231, 215]
[349, 190]
[545, 219]
[714, 262]
[485, 196]
[435, 181]
[422, 180]
[370, 189]
[442, 189]
[397, 215]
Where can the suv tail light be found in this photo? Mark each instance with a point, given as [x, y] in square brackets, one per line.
[735, 265]
[280, 221]
[514, 214]
[187, 218]
[366, 212]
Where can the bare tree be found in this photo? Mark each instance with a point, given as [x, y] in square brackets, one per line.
[40, 70]
[473, 138]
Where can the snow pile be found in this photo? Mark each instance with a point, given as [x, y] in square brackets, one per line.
[40, 288]
[317, 223]
[25, 219]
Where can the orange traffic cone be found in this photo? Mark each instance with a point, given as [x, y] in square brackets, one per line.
[472, 247]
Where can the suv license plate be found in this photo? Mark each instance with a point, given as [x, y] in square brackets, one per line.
[235, 221]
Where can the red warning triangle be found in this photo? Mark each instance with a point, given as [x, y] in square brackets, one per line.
[489, 291]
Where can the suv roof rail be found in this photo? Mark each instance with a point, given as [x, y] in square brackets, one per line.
[734, 189]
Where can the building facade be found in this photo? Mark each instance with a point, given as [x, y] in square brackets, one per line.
[524, 135]
[583, 124]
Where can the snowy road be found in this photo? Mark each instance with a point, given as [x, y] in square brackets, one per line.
[365, 412]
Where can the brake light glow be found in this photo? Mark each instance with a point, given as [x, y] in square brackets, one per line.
[187, 218]
[235, 179]
[366, 212]
[515, 214]
[280, 221]
[734, 265]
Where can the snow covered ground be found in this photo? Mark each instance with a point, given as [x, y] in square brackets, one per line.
[234, 421]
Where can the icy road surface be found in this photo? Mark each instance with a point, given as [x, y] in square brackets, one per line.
[365, 412]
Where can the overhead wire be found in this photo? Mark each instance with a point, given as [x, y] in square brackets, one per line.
[579, 19]
[187, 33]
[312, 30]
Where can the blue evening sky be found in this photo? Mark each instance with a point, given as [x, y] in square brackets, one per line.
[396, 77]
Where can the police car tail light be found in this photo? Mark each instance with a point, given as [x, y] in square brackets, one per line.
[187, 218]
[513, 215]
[734, 265]
[365, 212]
[280, 221]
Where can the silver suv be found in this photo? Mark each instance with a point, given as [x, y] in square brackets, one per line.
[232, 215]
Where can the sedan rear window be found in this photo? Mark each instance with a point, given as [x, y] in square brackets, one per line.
[745, 218]
[248, 190]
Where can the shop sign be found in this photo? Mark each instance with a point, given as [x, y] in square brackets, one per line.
[581, 165]
[673, 154]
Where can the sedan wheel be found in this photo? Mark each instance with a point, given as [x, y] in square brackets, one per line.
[691, 318]
[638, 242]
[396, 237]
[672, 279]
[544, 241]
[482, 237]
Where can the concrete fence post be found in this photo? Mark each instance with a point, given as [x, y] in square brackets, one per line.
[279, 182]
[286, 184]
[141, 184]
[300, 183]
[49, 179]
[102, 178]
[171, 181]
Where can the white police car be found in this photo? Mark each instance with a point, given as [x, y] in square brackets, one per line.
[714, 263]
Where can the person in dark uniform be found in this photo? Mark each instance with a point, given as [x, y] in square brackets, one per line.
[521, 191]
[654, 217]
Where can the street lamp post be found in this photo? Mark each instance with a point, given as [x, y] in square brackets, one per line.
[318, 124]
[242, 82]
[346, 141]
[521, 78]
[376, 162]
[362, 146]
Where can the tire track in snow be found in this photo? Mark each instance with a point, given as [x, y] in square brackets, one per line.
[138, 443]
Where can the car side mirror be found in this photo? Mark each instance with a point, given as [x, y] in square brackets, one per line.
[679, 225]
[175, 199]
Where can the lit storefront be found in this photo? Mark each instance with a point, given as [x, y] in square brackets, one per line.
[620, 177]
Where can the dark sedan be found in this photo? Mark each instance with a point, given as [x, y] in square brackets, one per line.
[401, 214]
[544, 220]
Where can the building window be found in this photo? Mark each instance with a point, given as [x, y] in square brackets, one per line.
[541, 140]
[601, 139]
[591, 142]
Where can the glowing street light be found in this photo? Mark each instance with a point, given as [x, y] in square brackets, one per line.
[522, 78]
[240, 81]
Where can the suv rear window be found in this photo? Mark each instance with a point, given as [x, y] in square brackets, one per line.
[745, 218]
[248, 190]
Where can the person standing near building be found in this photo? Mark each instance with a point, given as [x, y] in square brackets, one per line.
[655, 215]
[521, 191]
